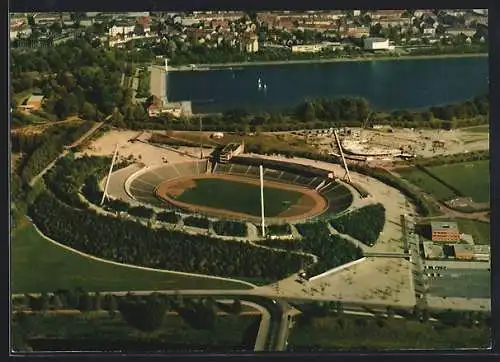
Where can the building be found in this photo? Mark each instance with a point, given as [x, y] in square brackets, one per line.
[463, 251]
[482, 252]
[356, 31]
[307, 48]
[251, 44]
[33, 103]
[230, 150]
[376, 44]
[430, 30]
[445, 231]
[121, 29]
[217, 135]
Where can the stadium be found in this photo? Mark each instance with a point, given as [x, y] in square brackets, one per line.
[231, 190]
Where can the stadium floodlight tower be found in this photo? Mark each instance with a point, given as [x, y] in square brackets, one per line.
[262, 200]
[105, 193]
[342, 156]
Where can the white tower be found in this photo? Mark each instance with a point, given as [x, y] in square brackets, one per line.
[262, 199]
[166, 65]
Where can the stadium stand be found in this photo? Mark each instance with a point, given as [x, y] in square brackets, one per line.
[338, 196]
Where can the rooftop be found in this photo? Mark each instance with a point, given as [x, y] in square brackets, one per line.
[463, 248]
[444, 226]
[35, 98]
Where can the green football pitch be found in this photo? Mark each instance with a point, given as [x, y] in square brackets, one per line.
[238, 197]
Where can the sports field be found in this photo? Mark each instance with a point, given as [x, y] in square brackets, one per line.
[461, 283]
[470, 178]
[239, 197]
[478, 129]
[40, 266]
[427, 183]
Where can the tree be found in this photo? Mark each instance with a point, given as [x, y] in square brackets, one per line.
[340, 307]
[97, 305]
[236, 306]
[55, 301]
[85, 302]
[88, 111]
[390, 312]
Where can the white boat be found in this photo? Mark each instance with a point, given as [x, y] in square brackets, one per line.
[265, 86]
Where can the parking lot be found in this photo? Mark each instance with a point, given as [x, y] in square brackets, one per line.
[460, 283]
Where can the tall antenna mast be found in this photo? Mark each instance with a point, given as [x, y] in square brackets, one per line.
[104, 194]
[262, 200]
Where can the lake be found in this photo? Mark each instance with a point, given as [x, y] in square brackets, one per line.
[386, 84]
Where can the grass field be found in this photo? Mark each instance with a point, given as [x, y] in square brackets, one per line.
[478, 129]
[79, 332]
[239, 197]
[40, 266]
[470, 178]
[479, 230]
[361, 333]
[427, 183]
[468, 283]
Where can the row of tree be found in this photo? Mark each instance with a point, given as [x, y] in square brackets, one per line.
[68, 175]
[337, 112]
[145, 313]
[229, 228]
[115, 239]
[332, 250]
[372, 219]
[51, 146]
[196, 221]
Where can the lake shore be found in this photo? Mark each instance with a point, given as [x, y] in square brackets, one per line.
[202, 67]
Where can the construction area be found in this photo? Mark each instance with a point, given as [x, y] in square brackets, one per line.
[386, 143]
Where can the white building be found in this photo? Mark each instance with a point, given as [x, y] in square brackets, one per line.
[429, 31]
[121, 29]
[307, 48]
[376, 44]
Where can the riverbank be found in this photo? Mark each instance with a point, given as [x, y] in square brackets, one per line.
[327, 60]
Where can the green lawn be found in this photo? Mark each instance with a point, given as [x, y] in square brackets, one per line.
[470, 178]
[239, 197]
[327, 334]
[478, 129]
[427, 183]
[97, 331]
[479, 230]
[40, 266]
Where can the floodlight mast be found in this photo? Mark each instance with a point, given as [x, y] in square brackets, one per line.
[104, 194]
[342, 156]
[262, 200]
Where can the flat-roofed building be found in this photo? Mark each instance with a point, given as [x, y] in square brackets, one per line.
[463, 251]
[229, 151]
[482, 252]
[33, 103]
[445, 231]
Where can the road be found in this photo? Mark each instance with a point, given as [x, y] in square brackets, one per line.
[35, 179]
